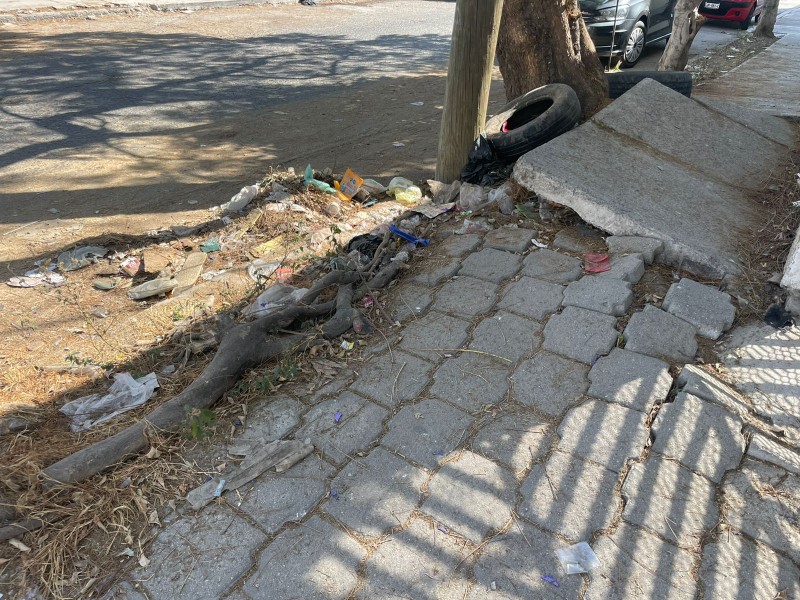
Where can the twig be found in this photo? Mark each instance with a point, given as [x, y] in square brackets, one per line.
[466, 350]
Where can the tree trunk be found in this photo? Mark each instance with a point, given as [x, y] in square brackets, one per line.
[685, 26]
[766, 23]
[546, 41]
[469, 77]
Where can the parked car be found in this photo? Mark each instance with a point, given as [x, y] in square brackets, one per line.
[743, 13]
[631, 24]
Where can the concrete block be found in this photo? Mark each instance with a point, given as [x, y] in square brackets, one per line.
[633, 380]
[629, 267]
[709, 310]
[549, 383]
[671, 501]
[608, 434]
[435, 270]
[551, 266]
[570, 239]
[580, 334]
[601, 294]
[458, 245]
[699, 435]
[315, 561]
[270, 420]
[660, 334]
[696, 381]
[427, 431]
[569, 496]
[471, 496]
[532, 297]
[390, 382]
[491, 265]
[507, 335]
[510, 239]
[515, 439]
[408, 301]
[791, 269]
[649, 248]
[434, 335]
[466, 296]
[471, 381]
[759, 122]
[768, 450]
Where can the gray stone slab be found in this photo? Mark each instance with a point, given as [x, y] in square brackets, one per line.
[671, 501]
[549, 383]
[408, 301]
[515, 439]
[512, 567]
[360, 424]
[761, 123]
[699, 435]
[510, 239]
[660, 334]
[568, 171]
[769, 450]
[314, 561]
[434, 335]
[569, 496]
[696, 381]
[581, 334]
[223, 542]
[419, 562]
[274, 499]
[602, 294]
[709, 310]
[392, 378]
[471, 495]
[551, 266]
[636, 564]
[734, 567]
[270, 420]
[375, 494]
[507, 335]
[427, 432]
[763, 502]
[532, 297]
[471, 381]
[491, 265]
[570, 239]
[633, 380]
[459, 245]
[608, 434]
[466, 296]
[629, 267]
[791, 268]
[434, 270]
[719, 147]
[649, 248]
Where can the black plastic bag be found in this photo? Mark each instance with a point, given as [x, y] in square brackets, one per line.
[484, 166]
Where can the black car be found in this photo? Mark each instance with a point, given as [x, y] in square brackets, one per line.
[631, 24]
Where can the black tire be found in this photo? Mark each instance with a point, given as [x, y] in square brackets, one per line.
[621, 81]
[745, 25]
[533, 119]
[634, 45]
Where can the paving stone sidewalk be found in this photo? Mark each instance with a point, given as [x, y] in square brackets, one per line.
[513, 415]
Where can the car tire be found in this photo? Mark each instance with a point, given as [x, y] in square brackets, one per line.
[634, 45]
[533, 119]
[745, 25]
[621, 81]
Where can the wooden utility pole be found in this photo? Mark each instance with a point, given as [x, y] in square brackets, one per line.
[469, 77]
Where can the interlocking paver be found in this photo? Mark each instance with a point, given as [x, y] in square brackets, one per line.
[420, 563]
[466, 296]
[434, 335]
[459, 245]
[636, 564]
[581, 334]
[699, 435]
[269, 420]
[708, 309]
[435, 271]
[628, 268]
[274, 499]
[660, 334]
[551, 266]
[507, 335]
[222, 540]
[471, 496]
[698, 382]
[491, 265]
[570, 496]
[375, 493]
[604, 433]
[408, 301]
[649, 248]
[532, 297]
[549, 383]
[664, 497]
[573, 240]
[510, 239]
[392, 378]
[471, 381]
[633, 380]
[515, 439]
[359, 424]
[314, 561]
[427, 432]
[602, 294]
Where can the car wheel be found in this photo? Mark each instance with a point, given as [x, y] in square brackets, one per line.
[621, 81]
[749, 20]
[533, 119]
[634, 46]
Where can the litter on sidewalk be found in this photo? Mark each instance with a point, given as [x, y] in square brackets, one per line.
[578, 558]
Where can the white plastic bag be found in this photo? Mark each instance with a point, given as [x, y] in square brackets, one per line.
[123, 395]
[240, 200]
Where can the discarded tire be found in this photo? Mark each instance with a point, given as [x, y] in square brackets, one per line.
[533, 119]
[620, 82]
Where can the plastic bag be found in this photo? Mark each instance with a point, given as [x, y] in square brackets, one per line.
[80, 257]
[274, 298]
[404, 191]
[349, 185]
[240, 200]
[578, 558]
[124, 394]
[484, 166]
